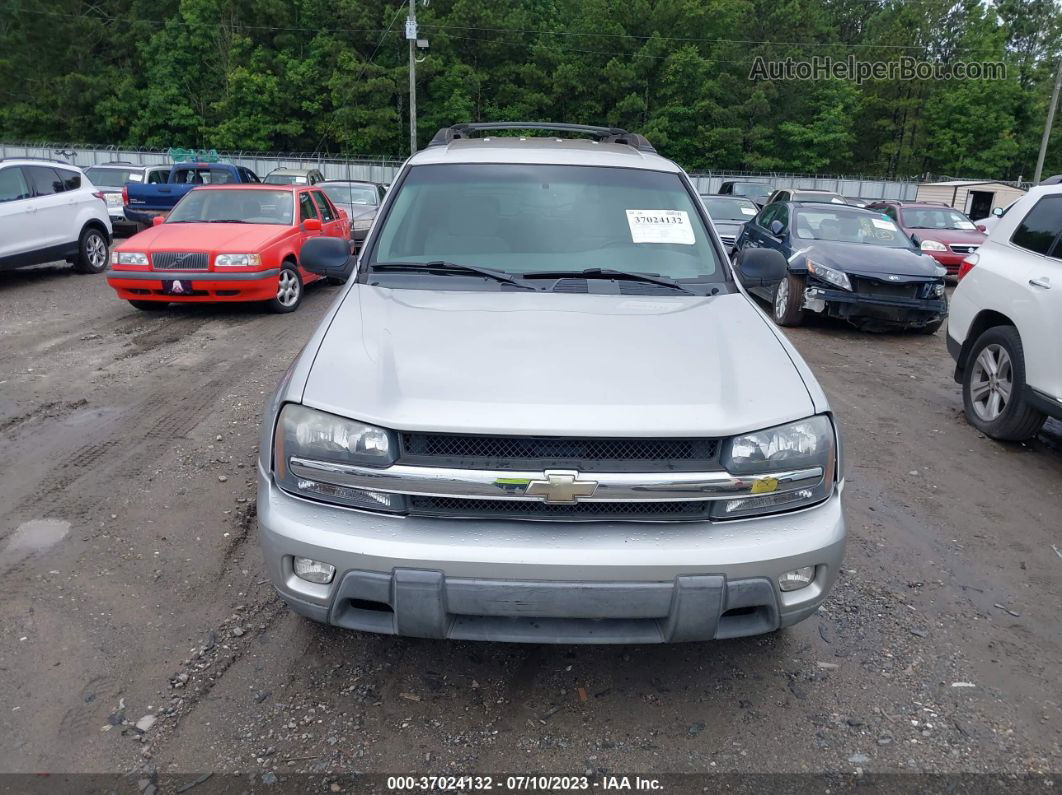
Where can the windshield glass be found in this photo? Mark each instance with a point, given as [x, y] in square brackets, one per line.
[934, 218]
[526, 218]
[350, 194]
[848, 227]
[113, 177]
[756, 190]
[285, 179]
[832, 198]
[246, 206]
[729, 209]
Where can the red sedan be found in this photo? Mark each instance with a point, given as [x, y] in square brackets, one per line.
[945, 234]
[227, 243]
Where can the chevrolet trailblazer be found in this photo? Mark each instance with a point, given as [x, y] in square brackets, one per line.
[543, 409]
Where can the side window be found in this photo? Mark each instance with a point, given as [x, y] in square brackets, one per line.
[13, 185]
[220, 176]
[71, 179]
[157, 177]
[891, 212]
[1041, 227]
[327, 214]
[380, 193]
[44, 180]
[767, 215]
[248, 175]
[307, 209]
[782, 214]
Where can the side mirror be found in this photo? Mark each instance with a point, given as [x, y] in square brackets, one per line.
[761, 267]
[343, 215]
[312, 225]
[157, 219]
[998, 212]
[327, 256]
[982, 228]
[916, 241]
[776, 228]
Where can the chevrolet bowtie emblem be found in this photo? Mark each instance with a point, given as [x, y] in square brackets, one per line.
[561, 486]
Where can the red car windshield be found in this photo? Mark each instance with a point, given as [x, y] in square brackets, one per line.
[932, 218]
[234, 206]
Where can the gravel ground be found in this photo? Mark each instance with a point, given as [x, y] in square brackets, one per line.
[137, 633]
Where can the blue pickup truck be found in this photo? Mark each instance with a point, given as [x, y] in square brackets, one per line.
[144, 201]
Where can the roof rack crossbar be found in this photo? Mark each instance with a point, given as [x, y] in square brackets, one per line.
[30, 157]
[614, 135]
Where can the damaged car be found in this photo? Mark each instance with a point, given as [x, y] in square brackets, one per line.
[846, 263]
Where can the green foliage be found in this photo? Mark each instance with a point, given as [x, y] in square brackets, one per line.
[332, 75]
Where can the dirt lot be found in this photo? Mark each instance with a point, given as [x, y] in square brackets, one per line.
[133, 591]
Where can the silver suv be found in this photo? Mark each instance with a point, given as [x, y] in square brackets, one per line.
[544, 410]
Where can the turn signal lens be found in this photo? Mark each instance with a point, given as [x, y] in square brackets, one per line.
[967, 265]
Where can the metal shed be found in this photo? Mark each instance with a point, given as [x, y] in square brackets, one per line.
[976, 198]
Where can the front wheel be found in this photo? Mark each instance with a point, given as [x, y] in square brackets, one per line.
[993, 387]
[788, 301]
[289, 290]
[91, 251]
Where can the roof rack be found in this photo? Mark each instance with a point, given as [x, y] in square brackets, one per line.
[610, 135]
[117, 163]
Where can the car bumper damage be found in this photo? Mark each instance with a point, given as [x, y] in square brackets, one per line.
[889, 310]
[551, 582]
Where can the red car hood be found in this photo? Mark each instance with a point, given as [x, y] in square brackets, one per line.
[970, 237]
[206, 237]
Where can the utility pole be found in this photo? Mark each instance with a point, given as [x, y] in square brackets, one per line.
[1047, 127]
[411, 35]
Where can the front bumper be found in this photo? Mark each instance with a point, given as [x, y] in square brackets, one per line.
[948, 259]
[549, 582]
[901, 311]
[147, 285]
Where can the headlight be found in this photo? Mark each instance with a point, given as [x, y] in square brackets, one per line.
[933, 245]
[303, 432]
[237, 260]
[129, 258]
[805, 444]
[831, 275]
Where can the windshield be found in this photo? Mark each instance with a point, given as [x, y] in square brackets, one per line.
[526, 218]
[350, 194]
[243, 206]
[757, 190]
[933, 218]
[849, 227]
[113, 177]
[831, 198]
[729, 209]
[285, 179]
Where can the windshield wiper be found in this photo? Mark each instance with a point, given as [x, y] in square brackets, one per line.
[443, 267]
[608, 273]
[227, 221]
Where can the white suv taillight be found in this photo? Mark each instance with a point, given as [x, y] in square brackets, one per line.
[967, 265]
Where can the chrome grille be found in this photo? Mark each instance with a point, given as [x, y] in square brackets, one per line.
[180, 261]
[512, 509]
[963, 249]
[542, 452]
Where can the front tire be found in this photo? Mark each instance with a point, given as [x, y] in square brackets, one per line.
[91, 251]
[289, 290]
[993, 387]
[787, 307]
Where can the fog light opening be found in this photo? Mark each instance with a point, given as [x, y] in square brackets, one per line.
[797, 579]
[314, 571]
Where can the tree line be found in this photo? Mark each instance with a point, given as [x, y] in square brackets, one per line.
[332, 76]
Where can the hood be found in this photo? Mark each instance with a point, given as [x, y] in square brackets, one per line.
[357, 212]
[553, 363]
[969, 237]
[205, 237]
[861, 258]
[732, 228]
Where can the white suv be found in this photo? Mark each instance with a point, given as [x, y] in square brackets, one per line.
[1005, 327]
[51, 211]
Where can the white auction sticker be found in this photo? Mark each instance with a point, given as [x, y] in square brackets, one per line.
[660, 226]
[748, 211]
[883, 224]
[965, 225]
